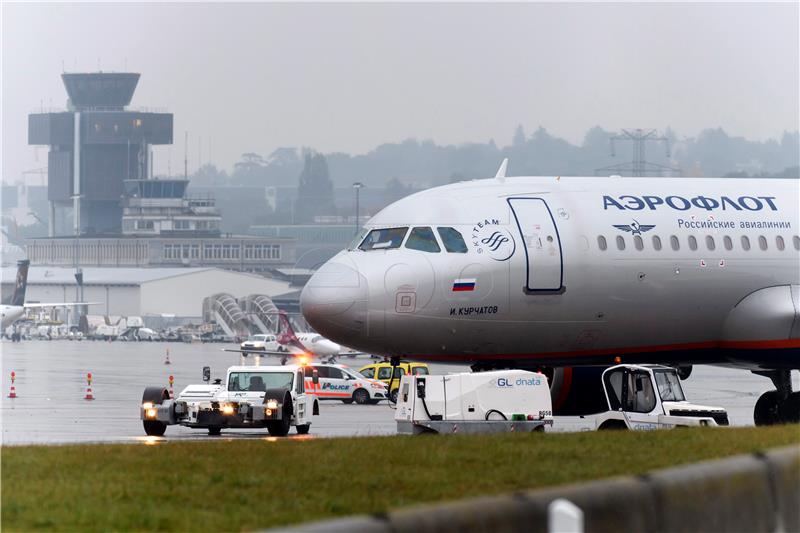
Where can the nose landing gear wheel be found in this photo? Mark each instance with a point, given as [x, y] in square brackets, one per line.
[766, 412]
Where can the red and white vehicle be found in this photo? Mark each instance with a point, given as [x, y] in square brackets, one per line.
[339, 382]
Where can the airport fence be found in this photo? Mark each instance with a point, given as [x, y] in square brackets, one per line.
[747, 493]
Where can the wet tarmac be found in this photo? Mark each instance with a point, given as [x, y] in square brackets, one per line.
[51, 384]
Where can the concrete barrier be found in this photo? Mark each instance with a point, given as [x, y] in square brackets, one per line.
[748, 493]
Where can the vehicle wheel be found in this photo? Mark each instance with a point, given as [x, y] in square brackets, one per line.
[615, 425]
[766, 409]
[348, 401]
[789, 409]
[315, 410]
[214, 431]
[280, 428]
[393, 396]
[360, 396]
[155, 395]
[154, 428]
[303, 429]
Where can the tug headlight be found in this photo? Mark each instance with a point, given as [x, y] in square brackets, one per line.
[150, 413]
[228, 409]
[272, 404]
[268, 412]
[147, 405]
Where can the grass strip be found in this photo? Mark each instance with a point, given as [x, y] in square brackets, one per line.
[229, 485]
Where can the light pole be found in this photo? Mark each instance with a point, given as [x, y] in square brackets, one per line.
[357, 186]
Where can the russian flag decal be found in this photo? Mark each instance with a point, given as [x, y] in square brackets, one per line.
[460, 285]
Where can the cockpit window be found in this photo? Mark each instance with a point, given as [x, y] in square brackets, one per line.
[383, 239]
[358, 238]
[423, 239]
[452, 240]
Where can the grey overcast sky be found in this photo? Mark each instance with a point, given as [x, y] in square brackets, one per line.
[254, 77]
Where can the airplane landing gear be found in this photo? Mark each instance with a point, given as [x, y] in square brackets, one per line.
[779, 406]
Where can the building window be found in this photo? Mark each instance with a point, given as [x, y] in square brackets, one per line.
[692, 243]
[137, 123]
[601, 242]
[728, 242]
[710, 244]
[656, 243]
[182, 224]
[195, 251]
[675, 243]
[745, 243]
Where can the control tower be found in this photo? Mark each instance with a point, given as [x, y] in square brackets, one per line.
[95, 145]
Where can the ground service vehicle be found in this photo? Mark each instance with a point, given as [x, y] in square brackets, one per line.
[338, 382]
[260, 343]
[479, 402]
[644, 397]
[383, 372]
[272, 397]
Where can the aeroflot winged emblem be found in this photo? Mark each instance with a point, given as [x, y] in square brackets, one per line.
[634, 228]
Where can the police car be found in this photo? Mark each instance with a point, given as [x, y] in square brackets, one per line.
[339, 382]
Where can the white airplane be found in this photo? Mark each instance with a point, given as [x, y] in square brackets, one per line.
[286, 342]
[571, 275]
[10, 313]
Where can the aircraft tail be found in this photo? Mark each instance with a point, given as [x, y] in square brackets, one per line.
[21, 284]
[286, 335]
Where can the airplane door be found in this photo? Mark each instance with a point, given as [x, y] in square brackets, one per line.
[542, 244]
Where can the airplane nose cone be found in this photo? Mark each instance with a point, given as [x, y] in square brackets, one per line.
[334, 301]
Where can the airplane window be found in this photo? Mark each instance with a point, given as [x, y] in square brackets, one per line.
[675, 243]
[656, 242]
[620, 243]
[728, 242]
[358, 238]
[452, 240]
[796, 241]
[745, 243]
[779, 243]
[383, 239]
[638, 242]
[692, 242]
[601, 242]
[762, 242]
[710, 244]
[422, 239]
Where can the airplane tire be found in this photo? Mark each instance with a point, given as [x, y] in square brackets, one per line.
[766, 411]
[360, 396]
[789, 409]
[303, 429]
[214, 431]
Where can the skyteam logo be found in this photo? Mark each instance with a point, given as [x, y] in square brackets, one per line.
[634, 228]
[489, 237]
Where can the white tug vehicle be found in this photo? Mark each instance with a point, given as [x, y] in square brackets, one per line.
[272, 397]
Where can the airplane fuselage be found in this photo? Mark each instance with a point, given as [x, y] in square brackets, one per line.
[575, 271]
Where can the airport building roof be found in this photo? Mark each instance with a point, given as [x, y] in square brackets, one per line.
[102, 275]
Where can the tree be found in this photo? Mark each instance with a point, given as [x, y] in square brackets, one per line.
[519, 136]
[315, 190]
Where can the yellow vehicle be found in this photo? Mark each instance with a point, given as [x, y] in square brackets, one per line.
[383, 372]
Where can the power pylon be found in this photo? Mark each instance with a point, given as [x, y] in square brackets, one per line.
[639, 166]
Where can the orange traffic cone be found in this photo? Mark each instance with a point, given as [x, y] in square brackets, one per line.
[12, 393]
[89, 394]
[166, 360]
